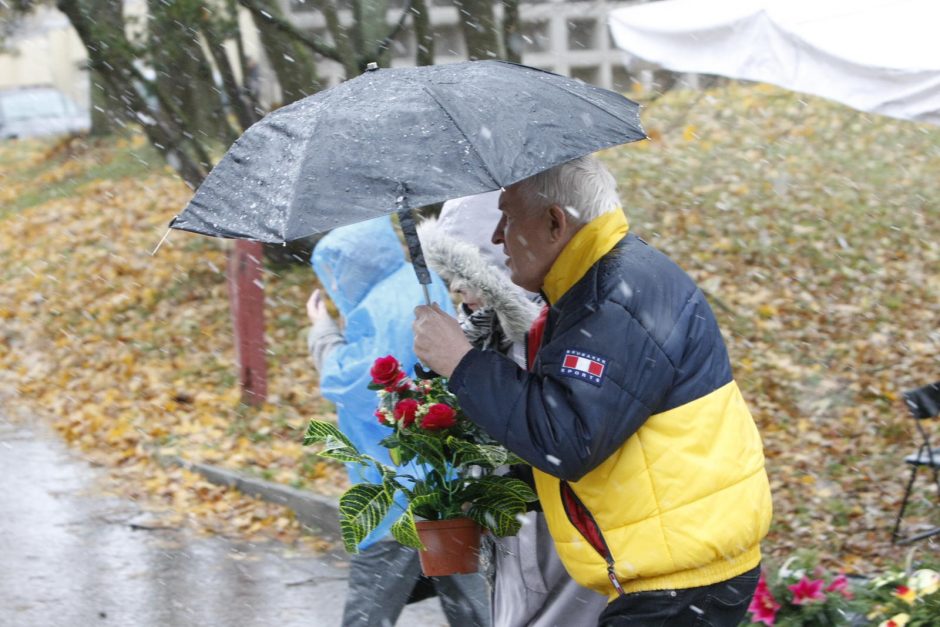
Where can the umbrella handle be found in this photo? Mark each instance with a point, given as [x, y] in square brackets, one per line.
[420, 371]
[424, 373]
[421, 270]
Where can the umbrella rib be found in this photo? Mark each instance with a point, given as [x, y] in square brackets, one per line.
[297, 180]
[453, 121]
[636, 111]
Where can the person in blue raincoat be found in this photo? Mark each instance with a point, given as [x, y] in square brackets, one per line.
[362, 268]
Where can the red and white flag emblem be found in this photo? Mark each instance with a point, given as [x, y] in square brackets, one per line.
[585, 366]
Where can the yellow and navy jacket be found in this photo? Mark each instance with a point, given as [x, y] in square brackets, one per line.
[647, 462]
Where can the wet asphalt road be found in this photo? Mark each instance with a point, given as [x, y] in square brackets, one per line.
[70, 557]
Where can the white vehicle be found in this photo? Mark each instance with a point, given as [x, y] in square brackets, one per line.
[40, 111]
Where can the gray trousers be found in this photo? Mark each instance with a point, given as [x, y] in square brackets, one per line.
[382, 577]
[532, 587]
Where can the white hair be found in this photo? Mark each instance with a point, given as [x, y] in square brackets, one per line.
[582, 187]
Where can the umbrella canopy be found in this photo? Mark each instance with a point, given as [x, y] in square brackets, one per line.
[395, 139]
[881, 56]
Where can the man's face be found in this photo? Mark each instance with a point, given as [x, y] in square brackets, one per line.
[527, 240]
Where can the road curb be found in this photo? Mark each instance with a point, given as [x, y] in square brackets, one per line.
[317, 512]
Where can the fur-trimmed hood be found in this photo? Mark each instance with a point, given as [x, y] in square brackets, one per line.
[462, 265]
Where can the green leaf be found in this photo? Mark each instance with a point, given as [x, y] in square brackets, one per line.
[335, 444]
[494, 486]
[361, 509]
[340, 452]
[496, 502]
[390, 441]
[319, 431]
[427, 448]
[500, 521]
[428, 506]
[486, 455]
[388, 480]
[398, 455]
[405, 532]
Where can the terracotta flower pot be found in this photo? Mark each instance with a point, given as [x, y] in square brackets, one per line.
[452, 547]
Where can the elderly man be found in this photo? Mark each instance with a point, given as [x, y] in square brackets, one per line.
[647, 462]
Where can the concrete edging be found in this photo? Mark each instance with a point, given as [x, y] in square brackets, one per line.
[319, 513]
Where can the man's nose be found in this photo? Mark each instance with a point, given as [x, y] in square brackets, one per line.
[497, 237]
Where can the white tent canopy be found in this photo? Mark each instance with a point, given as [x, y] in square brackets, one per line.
[881, 56]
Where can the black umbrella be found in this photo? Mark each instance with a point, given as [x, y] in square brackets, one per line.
[397, 139]
[402, 138]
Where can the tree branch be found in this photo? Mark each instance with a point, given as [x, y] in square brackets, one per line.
[117, 74]
[236, 95]
[387, 41]
[314, 43]
[340, 37]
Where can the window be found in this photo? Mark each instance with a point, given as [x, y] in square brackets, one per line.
[587, 74]
[621, 80]
[535, 37]
[448, 41]
[582, 34]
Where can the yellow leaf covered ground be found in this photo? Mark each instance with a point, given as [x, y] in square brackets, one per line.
[130, 353]
[811, 227]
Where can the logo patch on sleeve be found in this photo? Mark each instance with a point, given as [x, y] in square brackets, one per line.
[585, 366]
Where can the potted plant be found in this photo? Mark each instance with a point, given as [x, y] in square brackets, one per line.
[442, 463]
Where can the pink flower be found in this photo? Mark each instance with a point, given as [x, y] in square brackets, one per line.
[807, 590]
[841, 585]
[405, 411]
[764, 606]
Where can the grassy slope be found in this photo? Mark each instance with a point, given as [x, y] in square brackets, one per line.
[806, 223]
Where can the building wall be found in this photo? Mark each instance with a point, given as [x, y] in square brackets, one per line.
[46, 51]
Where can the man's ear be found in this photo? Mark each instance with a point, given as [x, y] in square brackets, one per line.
[558, 222]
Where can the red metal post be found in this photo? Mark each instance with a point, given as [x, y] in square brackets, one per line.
[246, 292]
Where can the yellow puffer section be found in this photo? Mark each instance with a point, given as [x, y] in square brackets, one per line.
[683, 503]
[594, 240]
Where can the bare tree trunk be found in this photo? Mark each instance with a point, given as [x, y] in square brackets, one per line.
[370, 33]
[183, 72]
[480, 29]
[106, 110]
[341, 37]
[292, 62]
[424, 36]
[238, 96]
[109, 55]
[512, 37]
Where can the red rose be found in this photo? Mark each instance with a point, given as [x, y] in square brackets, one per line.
[439, 416]
[381, 416]
[386, 372]
[405, 411]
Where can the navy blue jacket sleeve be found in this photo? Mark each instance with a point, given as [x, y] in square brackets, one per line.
[562, 424]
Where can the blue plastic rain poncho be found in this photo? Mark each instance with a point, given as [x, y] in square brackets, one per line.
[363, 269]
